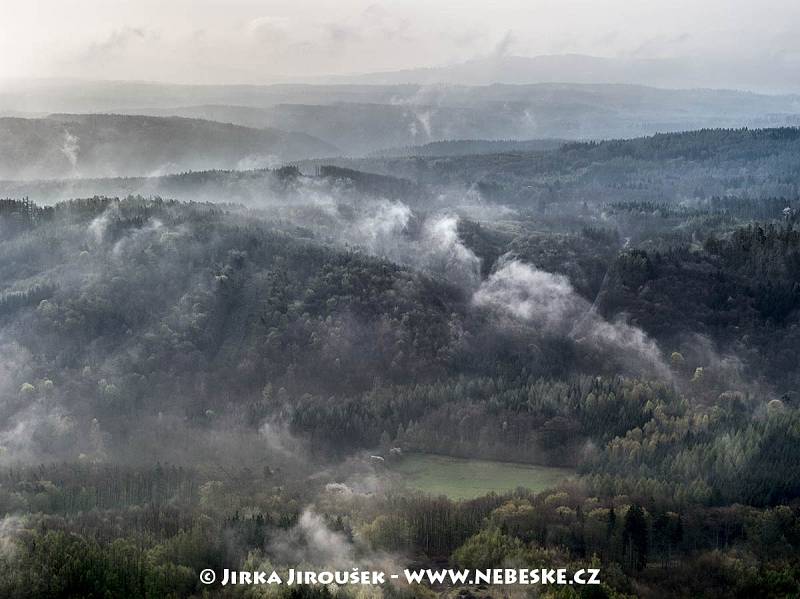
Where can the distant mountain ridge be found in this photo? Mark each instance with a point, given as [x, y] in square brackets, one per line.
[467, 147]
[360, 119]
[414, 115]
[679, 72]
[522, 70]
[70, 145]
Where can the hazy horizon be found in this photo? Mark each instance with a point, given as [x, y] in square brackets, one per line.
[734, 45]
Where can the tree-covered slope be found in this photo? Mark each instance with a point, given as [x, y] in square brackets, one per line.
[112, 145]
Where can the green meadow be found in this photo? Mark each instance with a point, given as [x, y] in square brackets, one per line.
[459, 478]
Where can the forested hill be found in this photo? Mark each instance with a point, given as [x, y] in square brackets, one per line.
[189, 383]
[722, 144]
[466, 147]
[665, 167]
[143, 307]
[139, 306]
[258, 187]
[67, 145]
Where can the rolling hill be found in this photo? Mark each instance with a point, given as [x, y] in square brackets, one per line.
[67, 145]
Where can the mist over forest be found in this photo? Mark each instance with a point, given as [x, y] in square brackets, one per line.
[468, 316]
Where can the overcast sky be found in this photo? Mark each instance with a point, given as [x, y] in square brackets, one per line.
[261, 41]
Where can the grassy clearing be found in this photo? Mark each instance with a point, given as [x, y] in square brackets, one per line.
[465, 479]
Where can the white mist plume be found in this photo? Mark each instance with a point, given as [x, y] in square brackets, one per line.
[258, 161]
[154, 231]
[18, 439]
[310, 541]
[71, 148]
[279, 440]
[542, 298]
[424, 118]
[444, 252]
[10, 527]
[470, 203]
[384, 228]
[163, 170]
[133, 240]
[380, 225]
[421, 107]
[549, 302]
[99, 225]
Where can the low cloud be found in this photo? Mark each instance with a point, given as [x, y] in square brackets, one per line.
[503, 46]
[549, 303]
[280, 440]
[10, 528]
[445, 253]
[71, 148]
[312, 542]
[268, 28]
[117, 40]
